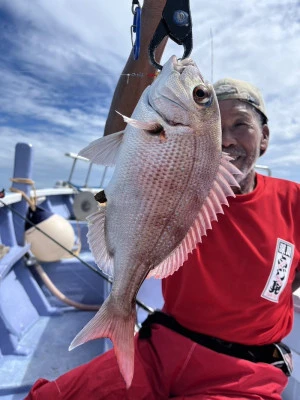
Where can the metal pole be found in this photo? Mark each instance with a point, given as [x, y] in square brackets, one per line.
[22, 169]
[103, 177]
[88, 175]
[72, 169]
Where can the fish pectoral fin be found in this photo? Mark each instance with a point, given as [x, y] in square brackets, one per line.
[97, 241]
[212, 205]
[119, 329]
[149, 126]
[105, 150]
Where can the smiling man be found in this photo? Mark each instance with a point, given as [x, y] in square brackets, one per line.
[245, 133]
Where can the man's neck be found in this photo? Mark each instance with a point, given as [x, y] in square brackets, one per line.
[247, 185]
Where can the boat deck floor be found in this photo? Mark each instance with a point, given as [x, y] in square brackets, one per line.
[50, 356]
[48, 339]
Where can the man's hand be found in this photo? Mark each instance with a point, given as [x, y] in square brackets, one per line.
[127, 95]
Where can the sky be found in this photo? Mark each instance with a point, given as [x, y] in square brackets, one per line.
[60, 61]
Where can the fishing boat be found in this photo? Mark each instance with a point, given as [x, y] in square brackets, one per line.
[47, 294]
[50, 286]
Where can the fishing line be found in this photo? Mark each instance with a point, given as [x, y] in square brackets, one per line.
[212, 55]
[108, 279]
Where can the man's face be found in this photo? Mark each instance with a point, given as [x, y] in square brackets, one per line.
[243, 135]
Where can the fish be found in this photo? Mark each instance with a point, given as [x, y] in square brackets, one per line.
[170, 181]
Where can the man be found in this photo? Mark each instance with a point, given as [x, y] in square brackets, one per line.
[225, 311]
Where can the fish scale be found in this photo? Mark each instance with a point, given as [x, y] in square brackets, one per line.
[175, 198]
[170, 181]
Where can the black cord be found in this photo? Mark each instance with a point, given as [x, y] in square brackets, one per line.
[97, 271]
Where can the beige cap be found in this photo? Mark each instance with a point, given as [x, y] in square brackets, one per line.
[229, 89]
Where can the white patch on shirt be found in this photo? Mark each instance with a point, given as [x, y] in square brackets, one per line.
[279, 275]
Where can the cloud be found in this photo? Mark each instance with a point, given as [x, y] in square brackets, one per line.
[60, 62]
[56, 34]
[50, 163]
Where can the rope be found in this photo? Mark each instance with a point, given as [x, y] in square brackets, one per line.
[3, 250]
[57, 293]
[25, 181]
[32, 204]
[97, 271]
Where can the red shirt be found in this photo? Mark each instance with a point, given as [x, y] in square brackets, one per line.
[236, 285]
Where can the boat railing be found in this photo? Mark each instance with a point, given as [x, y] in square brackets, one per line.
[76, 158]
[264, 168]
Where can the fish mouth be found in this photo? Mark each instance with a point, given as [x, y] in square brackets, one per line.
[179, 65]
[172, 98]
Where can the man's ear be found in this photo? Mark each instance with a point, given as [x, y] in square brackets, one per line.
[264, 139]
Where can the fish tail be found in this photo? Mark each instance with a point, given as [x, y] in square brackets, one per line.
[119, 328]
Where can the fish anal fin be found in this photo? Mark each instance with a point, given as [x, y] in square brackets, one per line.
[221, 188]
[105, 150]
[120, 329]
[97, 242]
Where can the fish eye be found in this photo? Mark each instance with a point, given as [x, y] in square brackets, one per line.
[201, 95]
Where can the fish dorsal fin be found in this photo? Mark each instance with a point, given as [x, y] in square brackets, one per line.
[97, 242]
[209, 210]
[104, 150]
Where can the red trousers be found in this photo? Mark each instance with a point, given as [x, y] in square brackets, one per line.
[167, 366]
